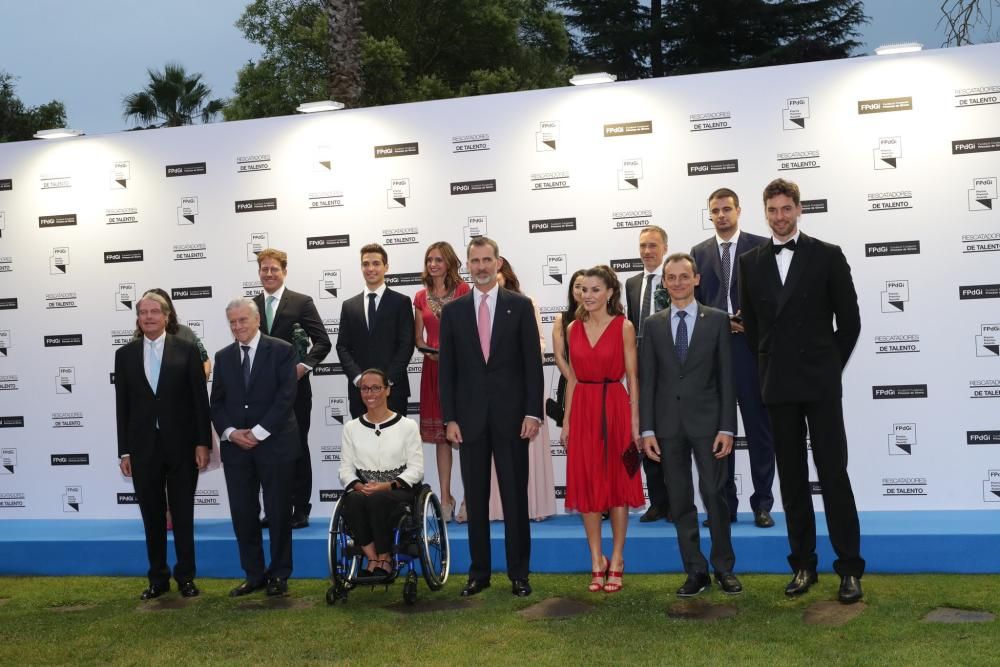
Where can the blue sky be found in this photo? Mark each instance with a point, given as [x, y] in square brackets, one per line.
[91, 53]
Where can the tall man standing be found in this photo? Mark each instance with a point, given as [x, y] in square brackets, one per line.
[252, 397]
[720, 288]
[639, 290]
[491, 400]
[792, 290]
[164, 437]
[376, 331]
[283, 310]
[687, 407]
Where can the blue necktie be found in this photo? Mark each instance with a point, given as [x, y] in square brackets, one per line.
[681, 344]
[246, 365]
[371, 311]
[154, 366]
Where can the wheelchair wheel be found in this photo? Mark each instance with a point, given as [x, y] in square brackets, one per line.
[342, 560]
[337, 592]
[410, 588]
[433, 540]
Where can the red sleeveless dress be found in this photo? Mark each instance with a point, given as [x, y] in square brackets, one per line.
[596, 479]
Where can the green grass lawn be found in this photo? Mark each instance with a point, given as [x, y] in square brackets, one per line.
[98, 620]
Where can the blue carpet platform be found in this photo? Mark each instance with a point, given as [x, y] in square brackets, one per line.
[892, 542]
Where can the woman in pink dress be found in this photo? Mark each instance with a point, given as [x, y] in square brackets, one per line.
[541, 481]
[443, 284]
[601, 421]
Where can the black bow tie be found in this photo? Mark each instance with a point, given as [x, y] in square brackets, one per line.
[790, 245]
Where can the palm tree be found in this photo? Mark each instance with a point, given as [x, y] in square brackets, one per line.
[171, 98]
[343, 19]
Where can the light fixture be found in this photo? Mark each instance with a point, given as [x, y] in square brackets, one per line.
[898, 47]
[592, 78]
[57, 133]
[323, 105]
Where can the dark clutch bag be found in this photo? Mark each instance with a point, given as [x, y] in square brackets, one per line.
[632, 459]
[554, 411]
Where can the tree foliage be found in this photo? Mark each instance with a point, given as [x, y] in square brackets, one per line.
[690, 36]
[411, 50]
[171, 98]
[19, 122]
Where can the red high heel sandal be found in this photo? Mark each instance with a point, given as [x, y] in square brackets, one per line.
[614, 588]
[594, 586]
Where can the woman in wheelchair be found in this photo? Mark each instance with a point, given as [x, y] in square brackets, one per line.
[381, 467]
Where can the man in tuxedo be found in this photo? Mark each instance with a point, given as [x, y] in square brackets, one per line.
[720, 288]
[285, 312]
[639, 305]
[164, 437]
[376, 331]
[687, 406]
[253, 394]
[491, 397]
[792, 289]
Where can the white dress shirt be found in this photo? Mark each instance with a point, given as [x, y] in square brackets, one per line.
[784, 258]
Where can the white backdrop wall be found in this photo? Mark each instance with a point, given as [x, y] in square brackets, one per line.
[898, 158]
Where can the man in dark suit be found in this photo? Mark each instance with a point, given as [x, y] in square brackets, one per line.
[687, 406]
[491, 399]
[376, 331]
[252, 397]
[792, 289]
[720, 288]
[639, 305]
[164, 437]
[283, 313]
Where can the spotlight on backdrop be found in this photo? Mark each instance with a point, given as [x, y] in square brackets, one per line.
[323, 105]
[901, 47]
[592, 78]
[57, 133]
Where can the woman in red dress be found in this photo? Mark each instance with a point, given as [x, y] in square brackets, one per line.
[601, 421]
[443, 284]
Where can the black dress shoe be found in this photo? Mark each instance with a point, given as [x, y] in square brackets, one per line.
[189, 590]
[520, 587]
[300, 521]
[732, 519]
[246, 588]
[762, 519]
[728, 582]
[850, 590]
[695, 584]
[474, 587]
[277, 586]
[651, 515]
[801, 582]
[154, 592]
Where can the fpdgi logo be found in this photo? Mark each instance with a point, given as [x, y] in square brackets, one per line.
[475, 226]
[72, 499]
[983, 193]
[902, 439]
[65, 379]
[187, 211]
[336, 410]
[120, 174]
[547, 136]
[6, 342]
[988, 340]
[991, 487]
[554, 269]
[59, 261]
[8, 460]
[398, 193]
[330, 283]
[795, 113]
[258, 242]
[125, 296]
[629, 174]
[895, 296]
[888, 153]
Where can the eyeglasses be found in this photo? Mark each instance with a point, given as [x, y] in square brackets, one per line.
[374, 389]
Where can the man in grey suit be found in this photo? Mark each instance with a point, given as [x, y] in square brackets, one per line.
[687, 405]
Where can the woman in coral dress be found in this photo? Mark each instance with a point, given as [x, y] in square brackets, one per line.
[602, 421]
[443, 284]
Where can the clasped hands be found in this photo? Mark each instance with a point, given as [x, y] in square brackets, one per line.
[721, 448]
[529, 429]
[244, 439]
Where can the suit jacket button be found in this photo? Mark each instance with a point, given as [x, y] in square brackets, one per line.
[246, 407]
[681, 377]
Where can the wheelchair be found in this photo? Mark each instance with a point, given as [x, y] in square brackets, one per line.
[421, 534]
